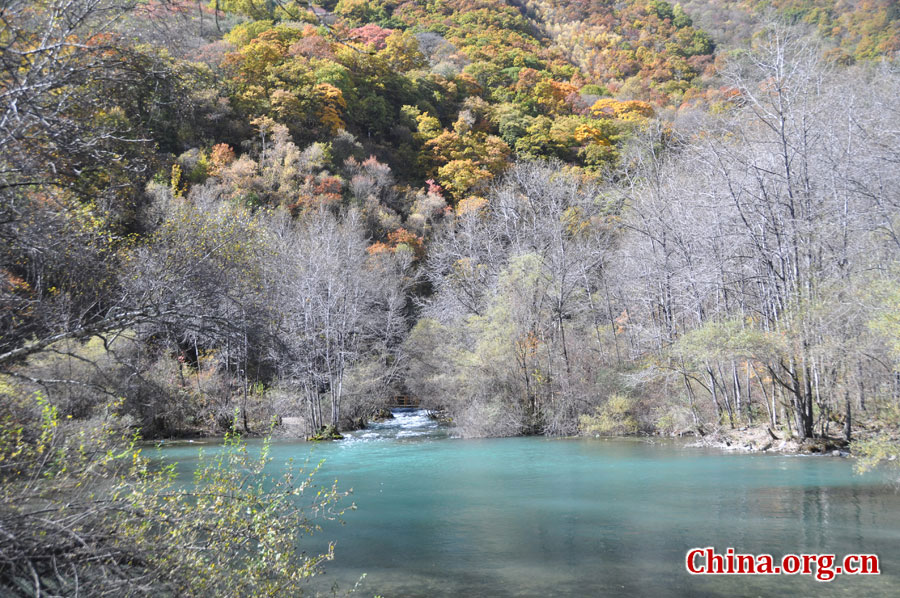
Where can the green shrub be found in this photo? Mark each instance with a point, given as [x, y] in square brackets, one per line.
[82, 508]
[614, 418]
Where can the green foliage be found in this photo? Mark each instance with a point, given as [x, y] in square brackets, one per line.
[884, 321]
[884, 296]
[358, 12]
[230, 492]
[729, 339]
[883, 446]
[232, 531]
[614, 418]
[244, 33]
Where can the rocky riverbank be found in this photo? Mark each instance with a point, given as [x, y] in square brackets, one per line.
[761, 439]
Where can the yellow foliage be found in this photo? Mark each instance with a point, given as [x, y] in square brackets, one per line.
[459, 176]
[178, 186]
[587, 133]
[429, 127]
[631, 110]
[332, 104]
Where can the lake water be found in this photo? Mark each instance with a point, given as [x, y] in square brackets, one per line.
[528, 517]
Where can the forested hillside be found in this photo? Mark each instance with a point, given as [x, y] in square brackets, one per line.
[850, 30]
[266, 200]
[638, 49]
[187, 154]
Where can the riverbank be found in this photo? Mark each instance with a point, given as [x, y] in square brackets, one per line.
[761, 439]
[744, 439]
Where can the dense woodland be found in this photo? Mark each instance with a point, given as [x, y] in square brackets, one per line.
[536, 217]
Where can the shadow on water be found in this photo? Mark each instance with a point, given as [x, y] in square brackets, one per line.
[522, 517]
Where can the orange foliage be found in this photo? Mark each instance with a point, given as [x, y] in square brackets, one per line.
[379, 248]
[9, 282]
[220, 158]
[401, 236]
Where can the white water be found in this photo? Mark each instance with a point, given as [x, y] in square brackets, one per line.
[406, 423]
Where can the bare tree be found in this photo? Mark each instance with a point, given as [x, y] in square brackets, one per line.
[520, 271]
[749, 248]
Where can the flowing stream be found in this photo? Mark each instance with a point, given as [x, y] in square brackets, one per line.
[527, 517]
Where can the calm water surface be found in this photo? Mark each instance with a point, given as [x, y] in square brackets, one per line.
[528, 517]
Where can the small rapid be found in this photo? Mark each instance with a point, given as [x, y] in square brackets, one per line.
[407, 424]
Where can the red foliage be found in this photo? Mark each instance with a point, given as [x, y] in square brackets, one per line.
[434, 187]
[528, 78]
[328, 185]
[214, 53]
[371, 34]
[327, 191]
[312, 46]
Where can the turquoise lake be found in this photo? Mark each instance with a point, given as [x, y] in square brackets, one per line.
[529, 517]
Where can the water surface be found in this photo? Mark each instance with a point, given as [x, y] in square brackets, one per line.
[528, 517]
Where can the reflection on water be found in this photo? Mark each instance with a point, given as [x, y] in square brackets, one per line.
[441, 517]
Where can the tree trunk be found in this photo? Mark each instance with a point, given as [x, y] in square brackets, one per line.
[847, 423]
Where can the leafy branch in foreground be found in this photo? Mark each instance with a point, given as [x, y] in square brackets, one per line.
[84, 512]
